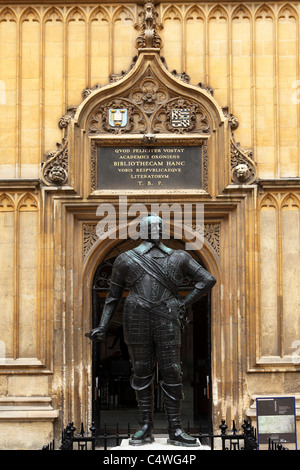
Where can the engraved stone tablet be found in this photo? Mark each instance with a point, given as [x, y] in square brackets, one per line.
[149, 168]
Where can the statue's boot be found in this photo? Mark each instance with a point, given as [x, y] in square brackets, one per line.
[172, 398]
[145, 404]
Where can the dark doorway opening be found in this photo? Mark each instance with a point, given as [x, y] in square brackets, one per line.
[113, 398]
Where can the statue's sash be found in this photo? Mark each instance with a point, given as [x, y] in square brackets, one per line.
[154, 270]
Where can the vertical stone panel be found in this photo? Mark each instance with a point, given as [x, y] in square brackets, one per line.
[268, 278]
[173, 39]
[7, 273]
[53, 77]
[218, 54]
[124, 36]
[195, 45]
[287, 76]
[8, 94]
[242, 74]
[265, 112]
[290, 272]
[99, 47]
[27, 288]
[30, 94]
[76, 56]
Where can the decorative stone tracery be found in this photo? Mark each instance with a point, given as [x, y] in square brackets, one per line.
[211, 235]
[55, 167]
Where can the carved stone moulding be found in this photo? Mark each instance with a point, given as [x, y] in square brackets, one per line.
[55, 167]
[91, 236]
[149, 94]
[243, 167]
[149, 36]
[149, 107]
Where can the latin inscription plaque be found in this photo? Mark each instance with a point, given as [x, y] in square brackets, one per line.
[152, 168]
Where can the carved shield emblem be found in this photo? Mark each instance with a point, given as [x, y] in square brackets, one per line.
[117, 117]
[180, 118]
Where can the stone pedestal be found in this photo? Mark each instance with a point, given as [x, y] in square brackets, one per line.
[160, 443]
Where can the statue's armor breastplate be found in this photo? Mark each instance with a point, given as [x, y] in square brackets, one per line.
[152, 287]
[175, 264]
[149, 287]
[142, 283]
[134, 273]
[175, 271]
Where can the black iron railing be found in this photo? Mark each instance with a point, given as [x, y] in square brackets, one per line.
[108, 437]
[273, 445]
[235, 440]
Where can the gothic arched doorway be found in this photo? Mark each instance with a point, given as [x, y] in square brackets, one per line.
[113, 399]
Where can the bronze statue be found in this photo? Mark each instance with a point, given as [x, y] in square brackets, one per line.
[153, 317]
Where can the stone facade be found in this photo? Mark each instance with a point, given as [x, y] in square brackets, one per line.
[240, 63]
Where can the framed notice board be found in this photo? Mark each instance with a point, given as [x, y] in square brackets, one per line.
[276, 420]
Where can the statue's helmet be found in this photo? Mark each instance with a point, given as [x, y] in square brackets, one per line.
[151, 227]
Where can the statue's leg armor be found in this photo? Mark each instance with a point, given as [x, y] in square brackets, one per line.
[137, 335]
[172, 398]
[143, 387]
[142, 383]
[171, 384]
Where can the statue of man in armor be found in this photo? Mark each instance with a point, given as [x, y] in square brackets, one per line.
[152, 322]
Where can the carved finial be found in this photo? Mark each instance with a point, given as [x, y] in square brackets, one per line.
[149, 37]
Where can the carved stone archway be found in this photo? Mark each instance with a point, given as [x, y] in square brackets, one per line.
[110, 361]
